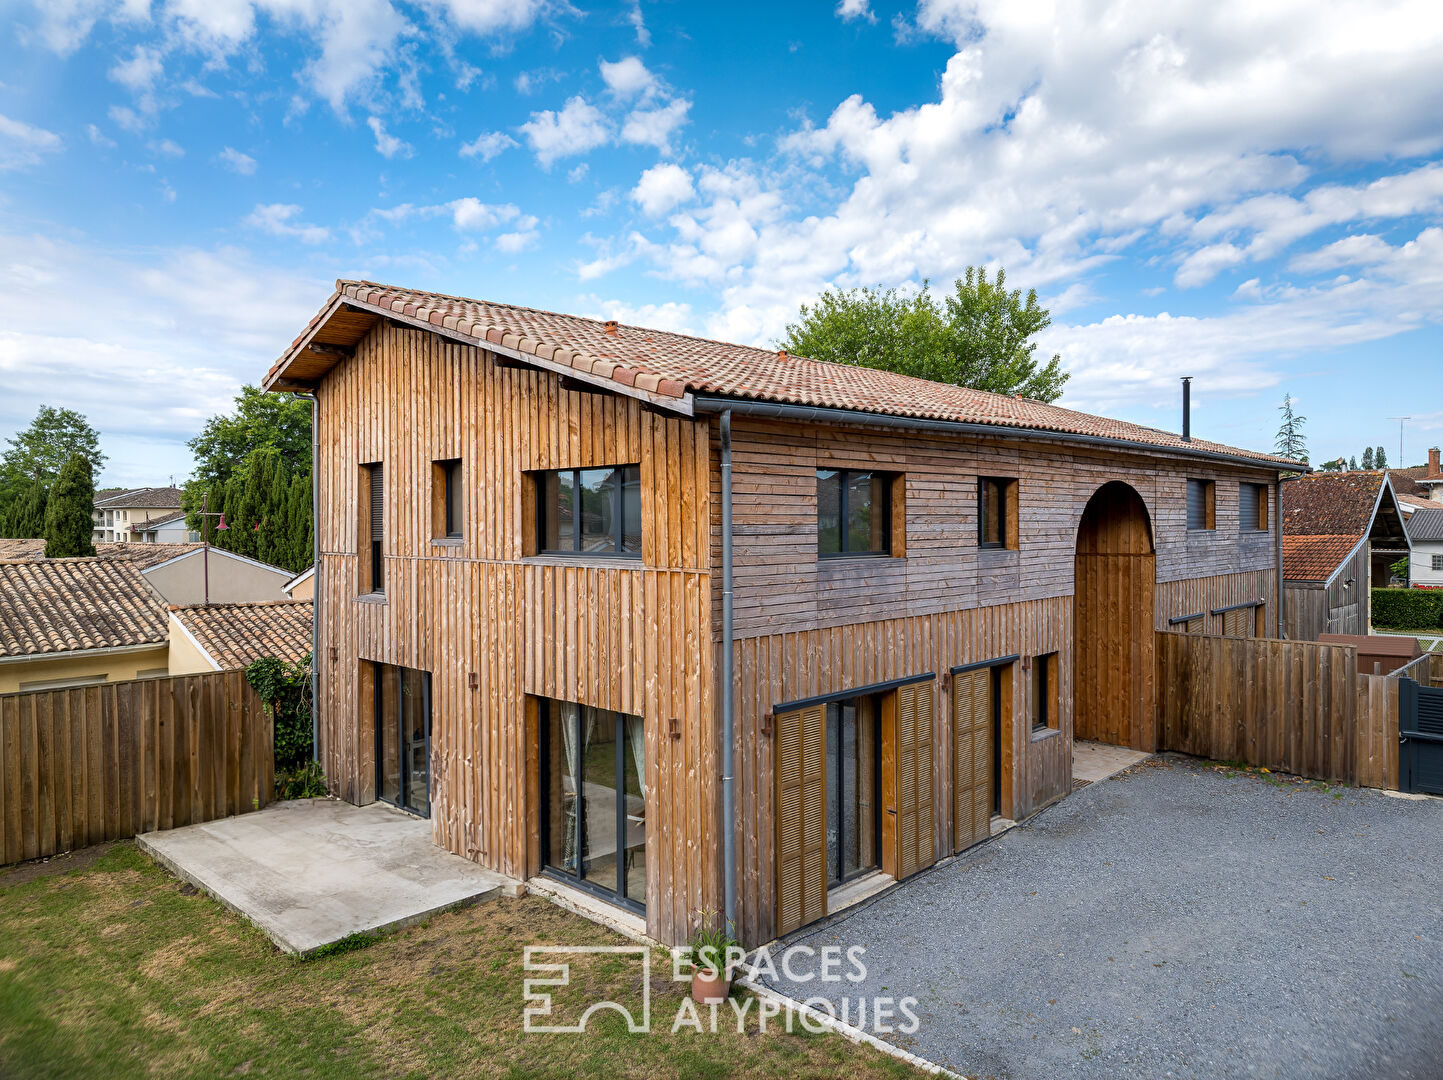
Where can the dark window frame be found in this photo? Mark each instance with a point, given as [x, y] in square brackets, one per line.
[1437, 562]
[376, 529]
[453, 525]
[835, 875]
[1002, 483]
[618, 513]
[844, 477]
[1042, 693]
[578, 879]
[404, 779]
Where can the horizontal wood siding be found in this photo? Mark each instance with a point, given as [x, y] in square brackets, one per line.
[1290, 706]
[96, 763]
[630, 636]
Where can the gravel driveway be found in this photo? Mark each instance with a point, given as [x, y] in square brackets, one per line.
[1174, 921]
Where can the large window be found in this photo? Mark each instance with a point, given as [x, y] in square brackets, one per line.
[854, 512]
[589, 511]
[996, 512]
[593, 783]
[854, 782]
[1201, 504]
[403, 737]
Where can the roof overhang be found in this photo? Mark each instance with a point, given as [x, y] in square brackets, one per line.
[334, 334]
[78, 654]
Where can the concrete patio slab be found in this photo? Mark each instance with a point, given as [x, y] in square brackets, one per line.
[1094, 761]
[314, 871]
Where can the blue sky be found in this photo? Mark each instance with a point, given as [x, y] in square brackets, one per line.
[1243, 191]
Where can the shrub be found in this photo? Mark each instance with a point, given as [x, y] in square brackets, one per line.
[1407, 609]
[286, 688]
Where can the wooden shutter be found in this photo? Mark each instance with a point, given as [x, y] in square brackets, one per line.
[914, 779]
[971, 757]
[800, 808]
[1238, 622]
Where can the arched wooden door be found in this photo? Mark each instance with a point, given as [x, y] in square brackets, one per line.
[1115, 574]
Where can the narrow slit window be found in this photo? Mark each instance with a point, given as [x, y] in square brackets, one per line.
[996, 512]
[376, 524]
[1201, 500]
[1044, 692]
[447, 501]
[589, 511]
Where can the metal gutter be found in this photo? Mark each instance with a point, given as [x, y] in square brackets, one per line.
[1278, 544]
[727, 681]
[71, 654]
[828, 415]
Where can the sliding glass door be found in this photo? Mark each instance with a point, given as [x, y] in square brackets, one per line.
[853, 781]
[403, 737]
[593, 765]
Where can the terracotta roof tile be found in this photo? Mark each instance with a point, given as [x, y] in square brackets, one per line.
[669, 366]
[1314, 558]
[62, 605]
[236, 635]
[1331, 504]
[143, 555]
[157, 498]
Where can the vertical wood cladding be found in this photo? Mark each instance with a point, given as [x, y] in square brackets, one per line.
[493, 625]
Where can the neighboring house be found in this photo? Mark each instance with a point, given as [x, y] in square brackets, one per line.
[70, 622]
[1341, 533]
[141, 554]
[125, 517]
[532, 587]
[1425, 532]
[182, 578]
[165, 529]
[302, 586]
[1421, 481]
[225, 636]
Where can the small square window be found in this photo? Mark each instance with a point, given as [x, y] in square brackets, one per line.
[1253, 507]
[854, 512]
[1201, 504]
[996, 512]
[1438, 562]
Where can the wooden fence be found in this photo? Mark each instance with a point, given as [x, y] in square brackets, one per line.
[1292, 706]
[104, 762]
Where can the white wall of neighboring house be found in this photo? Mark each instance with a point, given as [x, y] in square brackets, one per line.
[1425, 566]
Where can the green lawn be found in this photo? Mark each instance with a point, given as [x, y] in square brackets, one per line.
[114, 968]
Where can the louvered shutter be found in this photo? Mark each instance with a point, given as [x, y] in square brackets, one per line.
[1197, 506]
[914, 778]
[800, 809]
[971, 757]
[1248, 507]
[378, 503]
[1238, 622]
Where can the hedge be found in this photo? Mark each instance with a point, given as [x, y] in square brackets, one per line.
[1407, 609]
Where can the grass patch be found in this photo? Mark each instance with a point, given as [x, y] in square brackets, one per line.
[115, 969]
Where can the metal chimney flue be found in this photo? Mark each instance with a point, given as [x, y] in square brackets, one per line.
[1187, 408]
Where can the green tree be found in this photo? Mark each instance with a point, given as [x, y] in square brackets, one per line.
[43, 449]
[1352, 464]
[69, 510]
[24, 516]
[259, 421]
[1336, 465]
[1290, 442]
[1380, 458]
[1367, 457]
[979, 335]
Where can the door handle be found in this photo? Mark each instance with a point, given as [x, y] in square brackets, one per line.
[891, 811]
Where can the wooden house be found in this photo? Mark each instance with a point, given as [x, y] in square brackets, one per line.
[1341, 533]
[685, 625]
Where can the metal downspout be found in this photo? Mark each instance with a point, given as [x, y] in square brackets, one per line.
[1278, 541]
[315, 576]
[727, 682]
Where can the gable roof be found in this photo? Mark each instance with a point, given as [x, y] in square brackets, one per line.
[146, 498]
[156, 522]
[669, 370]
[1315, 558]
[1426, 525]
[235, 635]
[1331, 504]
[66, 605]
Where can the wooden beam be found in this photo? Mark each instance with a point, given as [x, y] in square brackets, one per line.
[568, 383]
[295, 385]
[342, 352]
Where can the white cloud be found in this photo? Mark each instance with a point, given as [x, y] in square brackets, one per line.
[236, 161]
[488, 16]
[472, 214]
[577, 129]
[577, 174]
[166, 148]
[387, 145]
[628, 78]
[488, 145]
[674, 316]
[127, 119]
[848, 10]
[655, 127]
[513, 242]
[23, 144]
[98, 137]
[662, 188]
[634, 17]
[139, 73]
[280, 219]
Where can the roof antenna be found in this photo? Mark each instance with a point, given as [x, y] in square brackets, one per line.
[1187, 408]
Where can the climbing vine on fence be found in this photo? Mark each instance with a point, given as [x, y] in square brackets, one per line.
[286, 688]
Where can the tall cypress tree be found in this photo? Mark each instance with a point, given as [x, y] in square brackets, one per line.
[24, 518]
[69, 511]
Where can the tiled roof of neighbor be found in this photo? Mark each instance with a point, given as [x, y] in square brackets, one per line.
[143, 555]
[1419, 503]
[1330, 504]
[161, 519]
[1426, 525]
[238, 634]
[61, 605]
[666, 367]
[146, 498]
[1314, 558]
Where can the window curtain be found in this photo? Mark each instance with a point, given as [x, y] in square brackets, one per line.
[573, 773]
[638, 752]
